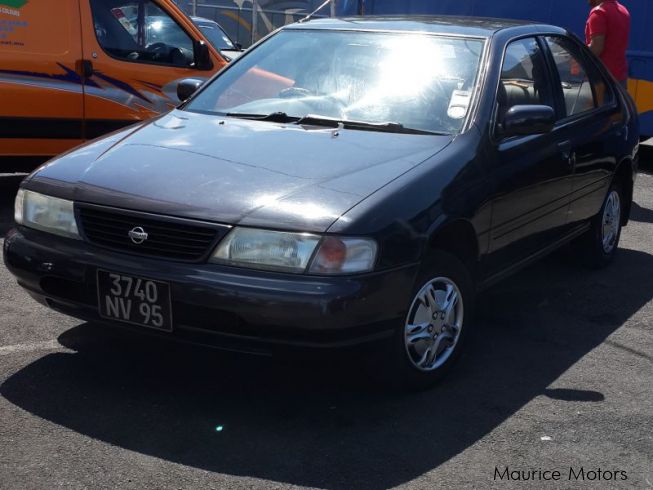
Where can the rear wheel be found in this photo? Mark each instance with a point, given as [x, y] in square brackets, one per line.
[611, 223]
[436, 325]
[599, 245]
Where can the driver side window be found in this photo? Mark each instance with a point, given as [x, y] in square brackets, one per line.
[523, 77]
[140, 31]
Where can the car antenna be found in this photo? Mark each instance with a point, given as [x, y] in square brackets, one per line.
[310, 16]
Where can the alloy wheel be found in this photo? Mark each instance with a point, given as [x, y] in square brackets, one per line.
[433, 324]
[611, 221]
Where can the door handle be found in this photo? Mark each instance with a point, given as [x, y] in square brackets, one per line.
[572, 159]
[84, 68]
[565, 146]
[568, 154]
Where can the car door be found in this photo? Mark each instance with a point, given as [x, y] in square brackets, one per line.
[136, 51]
[41, 91]
[531, 174]
[592, 123]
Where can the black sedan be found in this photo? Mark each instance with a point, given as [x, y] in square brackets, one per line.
[217, 36]
[343, 182]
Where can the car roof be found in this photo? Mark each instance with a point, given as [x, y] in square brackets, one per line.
[442, 24]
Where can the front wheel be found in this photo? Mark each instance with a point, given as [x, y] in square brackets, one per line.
[436, 325]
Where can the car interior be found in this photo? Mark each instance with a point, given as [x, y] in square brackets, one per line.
[518, 88]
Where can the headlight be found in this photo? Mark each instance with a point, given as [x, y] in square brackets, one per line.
[46, 213]
[295, 252]
[263, 249]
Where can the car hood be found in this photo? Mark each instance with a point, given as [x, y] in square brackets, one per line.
[236, 171]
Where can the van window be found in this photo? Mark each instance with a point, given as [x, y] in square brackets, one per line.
[523, 77]
[580, 81]
[140, 31]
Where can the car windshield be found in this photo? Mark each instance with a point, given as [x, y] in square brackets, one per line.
[216, 35]
[374, 80]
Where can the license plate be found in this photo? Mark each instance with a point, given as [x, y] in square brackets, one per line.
[134, 300]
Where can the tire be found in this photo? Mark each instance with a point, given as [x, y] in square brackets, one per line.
[441, 326]
[599, 245]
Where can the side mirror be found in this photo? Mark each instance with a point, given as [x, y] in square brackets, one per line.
[202, 56]
[522, 120]
[187, 87]
[238, 46]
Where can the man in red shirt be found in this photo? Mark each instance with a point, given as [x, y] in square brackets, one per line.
[606, 34]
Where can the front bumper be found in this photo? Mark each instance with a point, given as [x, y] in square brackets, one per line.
[231, 308]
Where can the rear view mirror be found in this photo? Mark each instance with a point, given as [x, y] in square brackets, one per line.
[202, 56]
[188, 87]
[522, 120]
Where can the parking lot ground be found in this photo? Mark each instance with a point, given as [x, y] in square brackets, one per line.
[559, 375]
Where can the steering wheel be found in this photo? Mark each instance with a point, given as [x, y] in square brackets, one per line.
[178, 57]
[160, 51]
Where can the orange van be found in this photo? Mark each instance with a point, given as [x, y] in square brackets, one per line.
[71, 70]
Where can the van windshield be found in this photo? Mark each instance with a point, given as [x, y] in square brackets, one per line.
[397, 80]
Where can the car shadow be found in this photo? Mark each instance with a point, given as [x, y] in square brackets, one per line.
[8, 188]
[327, 424]
[643, 215]
[646, 159]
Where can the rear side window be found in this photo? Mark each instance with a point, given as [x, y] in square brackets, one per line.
[140, 31]
[583, 87]
[523, 77]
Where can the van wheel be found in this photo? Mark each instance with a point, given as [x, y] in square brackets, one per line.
[600, 244]
[439, 317]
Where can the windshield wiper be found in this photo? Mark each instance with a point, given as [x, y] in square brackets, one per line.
[273, 116]
[389, 127]
[332, 122]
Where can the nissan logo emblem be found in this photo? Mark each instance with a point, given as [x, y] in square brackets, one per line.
[138, 235]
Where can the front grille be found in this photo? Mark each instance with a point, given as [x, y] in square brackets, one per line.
[171, 238]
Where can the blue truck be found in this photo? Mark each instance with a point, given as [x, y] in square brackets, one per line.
[570, 14]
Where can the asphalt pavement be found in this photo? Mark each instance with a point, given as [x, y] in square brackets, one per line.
[558, 377]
